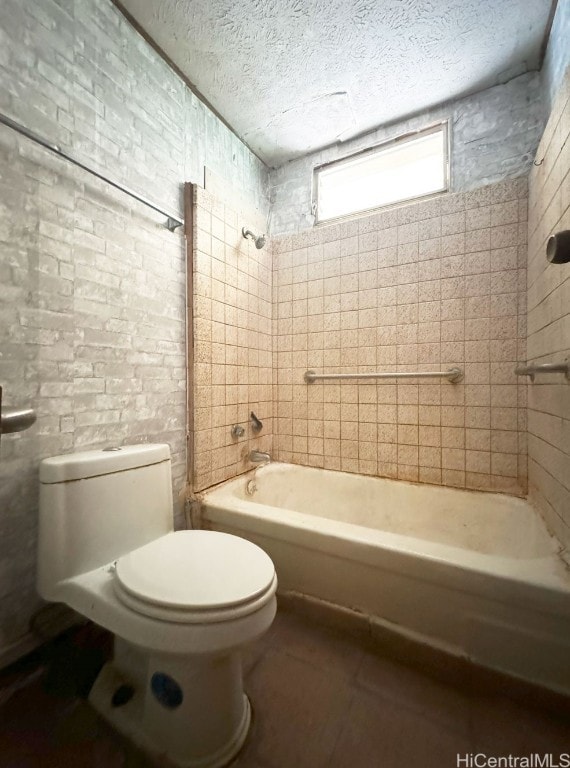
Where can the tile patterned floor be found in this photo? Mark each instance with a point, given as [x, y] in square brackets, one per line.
[321, 699]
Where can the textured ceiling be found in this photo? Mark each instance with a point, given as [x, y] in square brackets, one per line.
[291, 76]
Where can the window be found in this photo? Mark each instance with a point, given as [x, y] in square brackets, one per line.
[402, 169]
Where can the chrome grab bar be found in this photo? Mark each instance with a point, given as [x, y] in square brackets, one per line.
[534, 368]
[453, 374]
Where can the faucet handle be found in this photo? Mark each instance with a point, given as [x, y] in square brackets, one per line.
[256, 424]
[238, 430]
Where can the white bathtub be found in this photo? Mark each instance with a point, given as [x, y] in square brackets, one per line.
[476, 574]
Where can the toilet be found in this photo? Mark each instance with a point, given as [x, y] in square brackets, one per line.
[181, 604]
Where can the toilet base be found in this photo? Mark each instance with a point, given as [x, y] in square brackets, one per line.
[194, 713]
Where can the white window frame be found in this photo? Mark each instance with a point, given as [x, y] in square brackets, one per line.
[442, 125]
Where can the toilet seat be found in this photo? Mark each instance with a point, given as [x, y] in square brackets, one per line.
[195, 577]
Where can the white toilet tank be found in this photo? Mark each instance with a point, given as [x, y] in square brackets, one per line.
[98, 505]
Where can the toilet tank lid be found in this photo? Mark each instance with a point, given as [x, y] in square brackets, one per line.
[78, 466]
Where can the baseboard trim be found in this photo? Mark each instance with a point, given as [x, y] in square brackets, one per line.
[17, 650]
[446, 664]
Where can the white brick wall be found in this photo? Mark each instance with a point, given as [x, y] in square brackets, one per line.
[92, 287]
[557, 56]
[494, 135]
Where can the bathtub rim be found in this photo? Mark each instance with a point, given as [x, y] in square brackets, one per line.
[548, 576]
[516, 626]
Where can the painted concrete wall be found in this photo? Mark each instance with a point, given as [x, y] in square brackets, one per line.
[494, 137]
[557, 56]
[549, 323]
[92, 287]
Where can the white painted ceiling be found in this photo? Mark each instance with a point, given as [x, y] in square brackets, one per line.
[292, 76]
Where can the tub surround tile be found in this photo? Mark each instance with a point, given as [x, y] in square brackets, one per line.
[233, 351]
[411, 291]
[548, 322]
[343, 301]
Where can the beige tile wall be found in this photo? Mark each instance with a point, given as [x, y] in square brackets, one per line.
[549, 322]
[425, 286]
[232, 339]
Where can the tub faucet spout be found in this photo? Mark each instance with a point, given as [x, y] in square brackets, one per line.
[258, 457]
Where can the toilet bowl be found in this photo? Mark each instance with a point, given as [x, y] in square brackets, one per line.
[181, 604]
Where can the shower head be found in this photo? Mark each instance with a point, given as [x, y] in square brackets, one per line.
[259, 241]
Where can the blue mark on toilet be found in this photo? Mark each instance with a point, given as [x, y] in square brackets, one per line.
[166, 690]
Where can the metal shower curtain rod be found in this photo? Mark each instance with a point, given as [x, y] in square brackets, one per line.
[172, 221]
